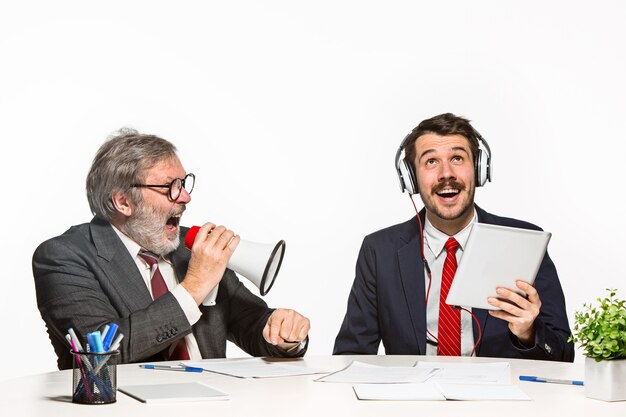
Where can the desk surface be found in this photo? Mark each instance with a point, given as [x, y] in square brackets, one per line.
[49, 394]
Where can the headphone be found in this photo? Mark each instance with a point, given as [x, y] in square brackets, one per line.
[406, 173]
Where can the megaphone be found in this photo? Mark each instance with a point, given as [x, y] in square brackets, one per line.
[258, 262]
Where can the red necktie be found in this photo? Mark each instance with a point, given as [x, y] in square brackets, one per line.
[449, 331]
[159, 288]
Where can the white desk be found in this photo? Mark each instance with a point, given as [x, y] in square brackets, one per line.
[50, 394]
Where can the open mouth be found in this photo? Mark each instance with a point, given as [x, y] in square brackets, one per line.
[448, 192]
[173, 222]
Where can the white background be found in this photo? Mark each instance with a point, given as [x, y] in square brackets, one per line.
[290, 114]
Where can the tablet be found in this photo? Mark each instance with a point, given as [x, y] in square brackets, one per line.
[496, 256]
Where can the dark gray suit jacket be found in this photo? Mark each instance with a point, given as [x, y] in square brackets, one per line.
[86, 278]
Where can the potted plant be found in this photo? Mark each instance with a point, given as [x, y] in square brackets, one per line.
[601, 333]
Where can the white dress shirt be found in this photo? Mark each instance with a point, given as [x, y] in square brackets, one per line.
[186, 301]
[434, 251]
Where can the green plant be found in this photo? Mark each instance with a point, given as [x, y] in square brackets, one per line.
[601, 331]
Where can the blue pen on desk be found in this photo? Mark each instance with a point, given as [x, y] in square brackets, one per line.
[172, 368]
[531, 378]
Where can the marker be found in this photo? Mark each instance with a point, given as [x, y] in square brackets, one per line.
[106, 340]
[97, 340]
[116, 343]
[75, 339]
[104, 332]
[550, 380]
[172, 368]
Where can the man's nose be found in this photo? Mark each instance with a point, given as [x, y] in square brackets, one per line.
[447, 171]
[183, 197]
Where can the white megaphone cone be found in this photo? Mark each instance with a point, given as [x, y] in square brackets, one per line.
[258, 262]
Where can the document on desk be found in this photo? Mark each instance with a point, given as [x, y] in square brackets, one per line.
[482, 392]
[425, 391]
[439, 391]
[176, 392]
[364, 373]
[483, 373]
[254, 368]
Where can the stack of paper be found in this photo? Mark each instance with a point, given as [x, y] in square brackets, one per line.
[431, 381]
[364, 373]
[469, 373]
[439, 391]
[161, 393]
[253, 368]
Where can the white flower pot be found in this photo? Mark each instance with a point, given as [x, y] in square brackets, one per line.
[605, 380]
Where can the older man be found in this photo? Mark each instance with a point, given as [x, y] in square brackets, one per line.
[128, 266]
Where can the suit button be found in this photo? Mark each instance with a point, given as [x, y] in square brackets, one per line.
[548, 348]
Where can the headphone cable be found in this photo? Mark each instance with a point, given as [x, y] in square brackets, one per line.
[430, 279]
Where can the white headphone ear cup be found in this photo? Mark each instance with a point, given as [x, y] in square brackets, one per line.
[481, 169]
[408, 177]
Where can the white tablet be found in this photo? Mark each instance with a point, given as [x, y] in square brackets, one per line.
[496, 256]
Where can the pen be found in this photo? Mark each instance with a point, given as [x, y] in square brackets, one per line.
[97, 341]
[105, 331]
[549, 380]
[172, 368]
[116, 343]
[75, 339]
[106, 340]
[114, 346]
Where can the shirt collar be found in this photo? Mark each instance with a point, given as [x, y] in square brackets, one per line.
[436, 239]
[132, 246]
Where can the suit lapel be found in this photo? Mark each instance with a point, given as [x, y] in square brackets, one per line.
[413, 285]
[119, 266]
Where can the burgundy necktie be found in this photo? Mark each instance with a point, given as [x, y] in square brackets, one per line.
[449, 331]
[159, 288]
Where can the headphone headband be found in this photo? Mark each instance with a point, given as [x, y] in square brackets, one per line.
[406, 172]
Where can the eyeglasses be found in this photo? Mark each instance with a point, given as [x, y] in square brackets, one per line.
[175, 187]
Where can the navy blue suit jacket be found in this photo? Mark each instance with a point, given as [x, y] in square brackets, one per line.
[387, 302]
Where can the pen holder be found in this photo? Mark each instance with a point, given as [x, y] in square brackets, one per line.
[94, 377]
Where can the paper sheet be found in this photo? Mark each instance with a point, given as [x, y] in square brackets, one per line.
[364, 373]
[177, 392]
[485, 373]
[425, 391]
[482, 392]
[253, 368]
[439, 391]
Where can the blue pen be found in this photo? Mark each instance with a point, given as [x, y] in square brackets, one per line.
[172, 368]
[106, 343]
[91, 344]
[550, 380]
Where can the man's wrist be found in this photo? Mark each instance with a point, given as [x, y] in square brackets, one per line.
[292, 347]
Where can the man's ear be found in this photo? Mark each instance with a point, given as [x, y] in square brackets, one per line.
[122, 203]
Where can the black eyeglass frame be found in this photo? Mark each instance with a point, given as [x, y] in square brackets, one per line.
[170, 186]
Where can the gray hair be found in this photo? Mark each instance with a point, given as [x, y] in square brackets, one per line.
[122, 160]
